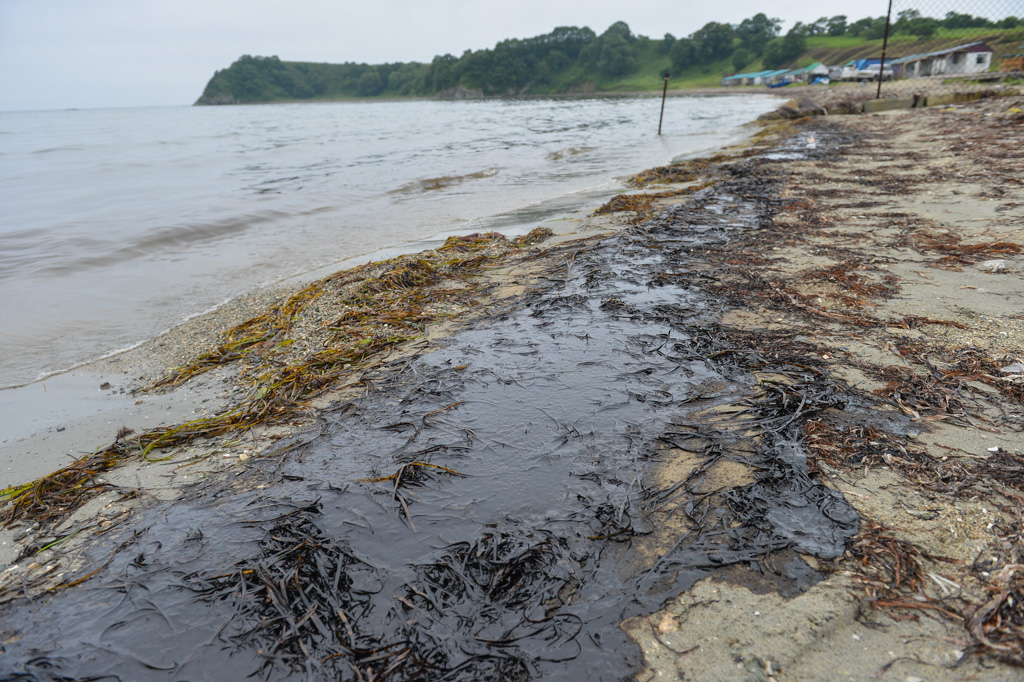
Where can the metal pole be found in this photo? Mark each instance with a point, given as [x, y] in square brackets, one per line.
[885, 44]
[664, 91]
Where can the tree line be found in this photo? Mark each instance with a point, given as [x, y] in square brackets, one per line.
[566, 59]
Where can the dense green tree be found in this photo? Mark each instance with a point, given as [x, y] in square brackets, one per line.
[925, 27]
[611, 53]
[773, 55]
[756, 32]
[621, 29]
[683, 54]
[617, 57]
[799, 28]
[402, 81]
[837, 25]
[442, 74]
[714, 41]
[817, 28]
[475, 68]
[958, 20]
[868, 29]
[568, 39]
[558, 61]
[511, 67]
[786, 49]
[371, 83]
[666, 43]
[317, 81]
[741, 58]
[910, 21]
[904, 19]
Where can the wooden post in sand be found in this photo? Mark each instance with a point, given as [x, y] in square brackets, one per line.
[664, 91]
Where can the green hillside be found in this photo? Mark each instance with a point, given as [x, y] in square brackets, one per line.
[572, 59]
[840, 50]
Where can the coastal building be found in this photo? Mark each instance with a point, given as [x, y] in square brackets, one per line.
[960, 60]
[809, 73]
[777, 76]
[756, 78]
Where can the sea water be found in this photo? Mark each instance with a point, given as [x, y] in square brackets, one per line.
[116, 224]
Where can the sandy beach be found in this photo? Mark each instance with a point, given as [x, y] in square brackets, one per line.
[821, 346]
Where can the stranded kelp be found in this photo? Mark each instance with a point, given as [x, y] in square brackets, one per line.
[494, 508]
[928, 377]
[310, 341]
[693, 175]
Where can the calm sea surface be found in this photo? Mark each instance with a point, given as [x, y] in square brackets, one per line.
[117, 224]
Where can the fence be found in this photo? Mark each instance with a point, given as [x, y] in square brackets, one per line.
[934, 47]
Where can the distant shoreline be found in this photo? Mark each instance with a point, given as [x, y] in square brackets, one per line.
[603, 94]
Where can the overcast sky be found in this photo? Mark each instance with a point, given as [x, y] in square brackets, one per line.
[116, 53]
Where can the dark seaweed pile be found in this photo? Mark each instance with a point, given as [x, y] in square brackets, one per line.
[491, 509]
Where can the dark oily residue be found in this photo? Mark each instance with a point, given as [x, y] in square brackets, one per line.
[481, 512]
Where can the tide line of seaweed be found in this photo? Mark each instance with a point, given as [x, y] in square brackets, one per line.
[383, 304]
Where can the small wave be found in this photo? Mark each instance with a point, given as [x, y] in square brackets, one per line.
[81, 253]
[568, 153]
[70, 367]
[432, 184]
[53, 150]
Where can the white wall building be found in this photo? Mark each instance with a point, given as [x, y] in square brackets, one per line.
[954, 61]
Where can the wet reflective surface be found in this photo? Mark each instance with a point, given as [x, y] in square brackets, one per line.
[120, 223]
[491, 509]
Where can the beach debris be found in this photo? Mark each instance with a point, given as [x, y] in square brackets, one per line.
[290, 354]
[505, 599]
[995, 265]
[429, 567]
[642, 206]
[668, 623]
[998, 624]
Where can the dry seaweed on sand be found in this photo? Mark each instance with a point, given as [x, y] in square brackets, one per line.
[997, 624]
[306, 343]
[955, 253]
[941, 383]
[891, 571]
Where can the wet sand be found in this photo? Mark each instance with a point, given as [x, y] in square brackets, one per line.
[879, 251]
[896, 258]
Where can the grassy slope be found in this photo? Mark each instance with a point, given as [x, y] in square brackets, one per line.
[826, 49]
[839, 50]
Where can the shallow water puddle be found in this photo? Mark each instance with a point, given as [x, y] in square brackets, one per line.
[490, 510]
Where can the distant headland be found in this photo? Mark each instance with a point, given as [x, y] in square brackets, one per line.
[573, 59]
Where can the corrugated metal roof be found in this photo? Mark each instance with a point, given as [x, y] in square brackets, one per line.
[806, 69]
[761, 74]
[937, 53]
